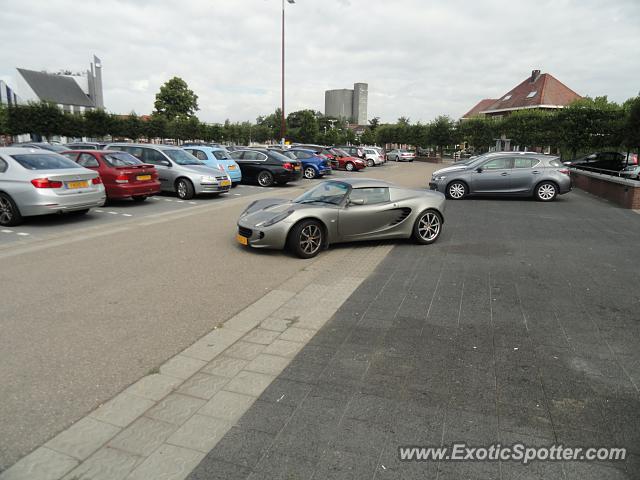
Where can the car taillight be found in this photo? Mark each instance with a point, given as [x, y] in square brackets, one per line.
[564, 170]
[96, 181]
[45, 183]
[287, 166]
[122, 178]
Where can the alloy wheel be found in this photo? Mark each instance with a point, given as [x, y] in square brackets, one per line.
[182, 189]
[457, 190]
[546, 192]
[370, 163]
[264, 179]
[310, 239]
[309, 172]
[6, 211]
[429, 226]
[349, 167]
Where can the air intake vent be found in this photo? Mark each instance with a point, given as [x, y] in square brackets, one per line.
[403, 213]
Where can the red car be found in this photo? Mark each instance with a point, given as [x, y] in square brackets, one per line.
[123, 175]
[347, 162]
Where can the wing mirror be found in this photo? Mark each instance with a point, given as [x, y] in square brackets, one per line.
[479, 169]
[356, 201]
[165, 163]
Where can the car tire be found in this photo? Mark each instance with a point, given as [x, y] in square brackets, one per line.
[427, 227]
[235, 184]
[457, 190]
[370, 163]
[184, 189]
[78, 213]
[310, 173]
[546, 192]
[306, 239]
[139, 199]
[265, 178]
[9, 213]
[349, 167]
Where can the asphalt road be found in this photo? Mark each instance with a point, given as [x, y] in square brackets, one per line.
[90, 304]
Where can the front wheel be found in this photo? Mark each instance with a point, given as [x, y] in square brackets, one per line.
[265, 179]
[306, 238]
[456, 190]
[184, 189]
[427, 228]
[9, 213]
[310, 173]
[546, 192]
[370, 163]
[349, 167]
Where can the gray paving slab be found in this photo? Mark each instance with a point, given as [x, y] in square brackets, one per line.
[517, 326]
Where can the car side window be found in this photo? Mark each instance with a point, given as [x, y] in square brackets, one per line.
[370, 196]
[236, 155]
[261, 157]
[151, 156]
[3, 166]
[249, 155]
[87, 160]
[71, 156]
[498, 164]
[200, 155]
[520, 162]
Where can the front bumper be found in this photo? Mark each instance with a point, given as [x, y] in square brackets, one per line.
[437, 186]
[212, 188]
[273, 237]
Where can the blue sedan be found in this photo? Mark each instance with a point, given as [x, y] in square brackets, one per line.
[313, 164]
[218, 158]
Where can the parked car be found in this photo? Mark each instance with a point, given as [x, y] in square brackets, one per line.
[85, 146]
[373, 157]
[39, 182]
[342, 211]
[233, 148]
[51, 147]
[399, 155]
[381, 152]
[346, 161]
[266, 166]
[313, 164]
[123, 175]
[178, 171]
[327, 152]
[632, 171]
[352, 150]
[203, 144]
[218, 158]
[505, 173]
[612, 161]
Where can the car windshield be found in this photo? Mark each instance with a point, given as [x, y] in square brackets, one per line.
[121, 159]
[278, 156]
[328, 192]
[181, 157]
[44, 161]
[221, 155]
[340, 152]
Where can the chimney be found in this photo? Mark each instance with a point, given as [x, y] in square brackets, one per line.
[534, 75]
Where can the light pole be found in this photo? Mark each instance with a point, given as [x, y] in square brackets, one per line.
[282, 119]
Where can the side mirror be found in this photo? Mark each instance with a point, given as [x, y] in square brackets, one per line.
[165, 163]
[356, 201]
[479, 169]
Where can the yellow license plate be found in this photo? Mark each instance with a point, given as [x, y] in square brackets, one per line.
[225, 183]
[232, 167]
[296, 168]
[144, 177]
[242, 240]
[84, 184]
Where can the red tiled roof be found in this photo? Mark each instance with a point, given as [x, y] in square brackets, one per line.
[545, 90]
[481, 105]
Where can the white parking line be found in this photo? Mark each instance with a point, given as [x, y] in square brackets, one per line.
[113, 213]
[193, 203]
[168, 200]
[23, 234]
[7, 231]
[127, 215]
[98, 210]
[179, 201]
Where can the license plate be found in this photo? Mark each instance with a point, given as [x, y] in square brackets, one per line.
[143, 177]
[296, 168]
[225, 183]
[83, 184]
[232, 167]
[242, 240]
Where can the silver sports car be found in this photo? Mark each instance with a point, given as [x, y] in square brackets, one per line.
[342, 211]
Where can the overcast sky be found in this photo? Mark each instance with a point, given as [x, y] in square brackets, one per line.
[421, 58]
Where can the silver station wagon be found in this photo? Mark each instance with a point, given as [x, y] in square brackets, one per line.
[504, 173]
[178, 171]
[39, 182]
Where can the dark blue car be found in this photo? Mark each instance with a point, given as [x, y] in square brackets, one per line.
[313, 164]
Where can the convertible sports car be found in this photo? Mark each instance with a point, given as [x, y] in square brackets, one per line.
[345, 210]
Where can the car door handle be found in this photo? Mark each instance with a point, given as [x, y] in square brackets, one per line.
[504, 174]
[536, 172]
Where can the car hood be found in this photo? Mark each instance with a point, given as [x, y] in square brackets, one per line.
[452, 168]
[202, 170]
[262, 210]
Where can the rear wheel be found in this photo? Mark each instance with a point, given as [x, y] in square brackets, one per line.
[427, 228]
[370, 163]
[456, 190]
[265, 179]
[9, 213]
[139, 199]
[349, 167]
[306, 238]
[310, 173]
[546, 191]
[184, 189]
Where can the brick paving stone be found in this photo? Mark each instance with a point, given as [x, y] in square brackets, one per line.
[83, 438]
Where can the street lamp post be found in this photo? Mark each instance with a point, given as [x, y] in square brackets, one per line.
[282, 119]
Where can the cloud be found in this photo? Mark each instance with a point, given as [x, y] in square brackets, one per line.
[421, 58]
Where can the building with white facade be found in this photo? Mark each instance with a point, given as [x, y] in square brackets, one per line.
[348, 104]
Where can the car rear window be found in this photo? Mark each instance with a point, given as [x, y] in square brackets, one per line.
[121, 159]
[221, 155]
[555, 163]
[44, 161]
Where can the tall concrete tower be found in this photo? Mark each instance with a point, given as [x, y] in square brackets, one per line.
[360, 100]
[95, 83]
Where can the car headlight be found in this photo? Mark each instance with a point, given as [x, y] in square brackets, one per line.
[208, 179]
[274, 220]
[439, 177]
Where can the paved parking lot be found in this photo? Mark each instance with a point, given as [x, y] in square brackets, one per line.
[519, 325]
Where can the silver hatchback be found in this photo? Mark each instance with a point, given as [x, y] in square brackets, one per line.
[39, 182]
[506, 173]
[178, 171]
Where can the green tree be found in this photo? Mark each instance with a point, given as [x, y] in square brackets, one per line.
[368, 137]
[98, 123]
[44, 119]
[132, 126]
[479, 132]
[374, 123]
[4, 120]
[175, 99]
[442, 133]
[156, 126]
[631, 125]
[303, 126]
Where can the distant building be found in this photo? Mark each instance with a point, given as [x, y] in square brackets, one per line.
[71, 92]
[348, 104]
[538, 91]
